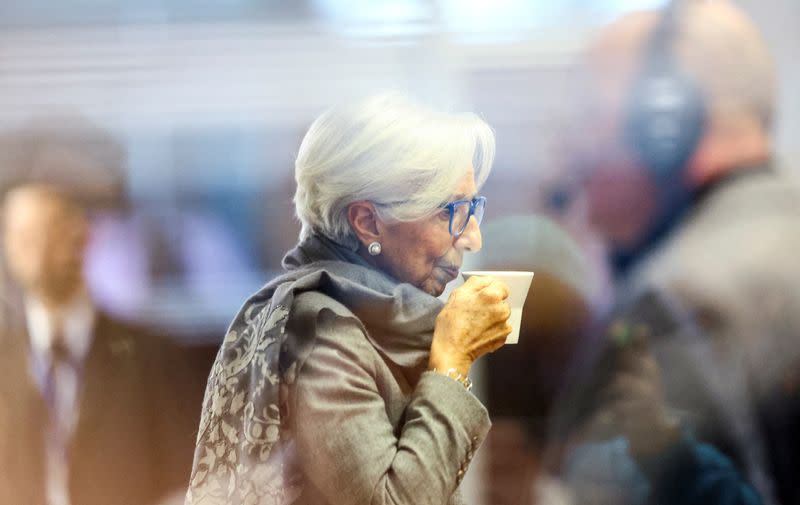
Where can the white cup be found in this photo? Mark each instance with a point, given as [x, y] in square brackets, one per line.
[518, 285]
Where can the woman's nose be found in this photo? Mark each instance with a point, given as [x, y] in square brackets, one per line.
[470, 239]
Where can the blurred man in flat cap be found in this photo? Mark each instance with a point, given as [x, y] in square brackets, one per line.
[91, 406]
[522, 380]
[672, 145]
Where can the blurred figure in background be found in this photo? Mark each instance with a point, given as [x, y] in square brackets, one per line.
[523, 379]
[91, 405]
[673, 145]
[526, 383]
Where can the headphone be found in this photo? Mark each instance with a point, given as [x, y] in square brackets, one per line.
[665, 113]
[666, 110]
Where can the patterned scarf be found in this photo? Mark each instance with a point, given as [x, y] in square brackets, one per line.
[244, 444]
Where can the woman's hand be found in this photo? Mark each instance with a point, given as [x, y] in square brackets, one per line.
[473, 322]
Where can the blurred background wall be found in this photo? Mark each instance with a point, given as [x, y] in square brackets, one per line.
[211, 100]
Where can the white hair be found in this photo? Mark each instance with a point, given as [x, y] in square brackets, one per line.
[405, 158]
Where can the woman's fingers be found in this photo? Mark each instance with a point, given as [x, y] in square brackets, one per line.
[478, 282]
[495, 291]
[474, 320]
[496, 336]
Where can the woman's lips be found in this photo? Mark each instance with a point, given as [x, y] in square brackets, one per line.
[451, 272]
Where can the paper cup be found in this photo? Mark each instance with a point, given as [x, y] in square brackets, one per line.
[518, 285]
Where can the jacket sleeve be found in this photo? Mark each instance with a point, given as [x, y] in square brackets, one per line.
[347, 446]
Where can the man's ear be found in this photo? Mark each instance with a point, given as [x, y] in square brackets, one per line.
[363, 220]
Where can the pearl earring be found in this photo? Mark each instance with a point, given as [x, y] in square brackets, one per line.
[374, 249]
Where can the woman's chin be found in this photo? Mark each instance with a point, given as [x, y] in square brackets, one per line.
[434, 287]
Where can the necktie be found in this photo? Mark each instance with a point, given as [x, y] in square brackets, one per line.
[61, 368]
[60, 362]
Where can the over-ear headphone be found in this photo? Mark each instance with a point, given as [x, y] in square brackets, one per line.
[666, 110]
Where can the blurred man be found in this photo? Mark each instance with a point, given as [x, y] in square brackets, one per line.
[523, 379]
[537, 424]
[673, 143]
[90, 405]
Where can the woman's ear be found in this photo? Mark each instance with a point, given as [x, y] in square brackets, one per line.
[364, 222]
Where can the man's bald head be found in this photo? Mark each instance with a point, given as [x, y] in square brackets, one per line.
[715, 44]
[722, 49]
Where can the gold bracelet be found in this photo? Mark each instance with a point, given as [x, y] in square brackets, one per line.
[457, 376]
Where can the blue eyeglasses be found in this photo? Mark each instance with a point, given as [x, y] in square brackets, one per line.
[462, 210]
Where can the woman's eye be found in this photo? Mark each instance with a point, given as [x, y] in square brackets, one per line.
[444, 214]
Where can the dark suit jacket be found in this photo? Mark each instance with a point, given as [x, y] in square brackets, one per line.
[134, 438]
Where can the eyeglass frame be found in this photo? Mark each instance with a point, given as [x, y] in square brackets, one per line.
[473, 204]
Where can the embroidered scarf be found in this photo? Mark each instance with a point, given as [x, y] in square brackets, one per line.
[245, 439]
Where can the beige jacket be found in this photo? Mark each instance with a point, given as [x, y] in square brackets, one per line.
[734, 268]
[370, 426]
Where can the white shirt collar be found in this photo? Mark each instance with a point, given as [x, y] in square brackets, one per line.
[77, 320]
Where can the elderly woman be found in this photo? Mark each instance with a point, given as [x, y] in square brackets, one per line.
[344, 381]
